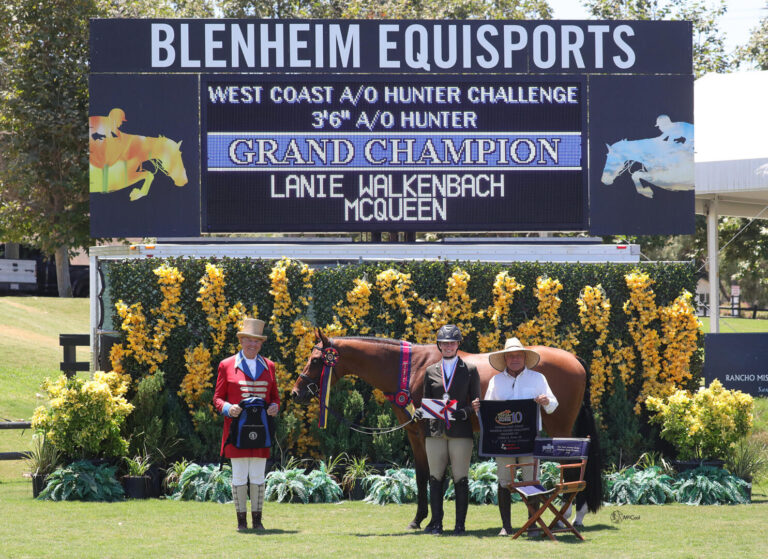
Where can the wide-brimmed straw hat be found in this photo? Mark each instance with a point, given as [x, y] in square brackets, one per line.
[252, 328]
[513, 344]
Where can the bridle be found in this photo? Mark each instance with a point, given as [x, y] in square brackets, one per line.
[330, 357]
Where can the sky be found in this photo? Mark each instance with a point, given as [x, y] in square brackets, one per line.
[742, 16]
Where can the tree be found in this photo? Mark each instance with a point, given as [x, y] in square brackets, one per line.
[755, 52]
[390, 9]
[708, 42]
[44, 198]
[43, 132]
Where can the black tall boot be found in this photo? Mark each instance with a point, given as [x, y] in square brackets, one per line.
[505, 505]
[462, 504]
[435, 525]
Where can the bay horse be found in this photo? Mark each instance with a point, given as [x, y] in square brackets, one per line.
[117, 162]
[377, 362]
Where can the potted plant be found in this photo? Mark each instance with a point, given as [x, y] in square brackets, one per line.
[352, 481]
[42, 460]
[136, 482]
[705, 425]
[748, 460]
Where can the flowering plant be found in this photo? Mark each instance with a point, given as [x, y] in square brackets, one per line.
[704, 424]
[84, 417]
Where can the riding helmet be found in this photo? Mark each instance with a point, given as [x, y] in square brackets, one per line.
[449, 333]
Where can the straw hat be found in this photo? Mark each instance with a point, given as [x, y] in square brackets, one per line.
[252, 328]
[513, 344]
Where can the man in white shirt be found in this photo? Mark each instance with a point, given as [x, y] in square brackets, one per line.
[516, 381]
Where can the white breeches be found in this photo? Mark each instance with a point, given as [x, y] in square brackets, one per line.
[244, 468]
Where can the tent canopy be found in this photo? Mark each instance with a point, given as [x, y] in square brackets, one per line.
[731, 152]
[731, 156]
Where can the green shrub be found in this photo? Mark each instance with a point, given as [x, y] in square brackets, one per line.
[204, 483]
[710, 486]
[288, 484]
[84, 416]
[83, 481]
[483, 483]
[393, 486]
[632, 486]
[323, 487]
[151, 426]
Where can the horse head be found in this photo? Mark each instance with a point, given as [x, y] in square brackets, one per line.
[175, 167]
[614, 163]
[307, 386]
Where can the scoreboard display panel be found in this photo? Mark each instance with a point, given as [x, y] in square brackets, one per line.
[258, 126]
[346, 155]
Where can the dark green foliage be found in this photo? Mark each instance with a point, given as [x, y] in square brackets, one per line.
[653, 486]
[483, 484]
[83, 481]
[631, 486]
[710, 486]
[204, 483]
[620, 437]
[396, 485]
[289, 484]
[151, 426]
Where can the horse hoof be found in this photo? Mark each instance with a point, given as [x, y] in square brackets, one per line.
[414, 525]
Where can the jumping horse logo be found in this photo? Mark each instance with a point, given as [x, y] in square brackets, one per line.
[665, 161]
[117, 159]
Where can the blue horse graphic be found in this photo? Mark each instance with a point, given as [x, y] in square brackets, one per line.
[663, 162]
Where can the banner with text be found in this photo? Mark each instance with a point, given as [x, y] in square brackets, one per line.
[508, 427]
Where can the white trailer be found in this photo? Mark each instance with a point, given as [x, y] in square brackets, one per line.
[320, 251]
[18, 275]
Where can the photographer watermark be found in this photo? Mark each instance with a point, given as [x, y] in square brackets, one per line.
[617, 517]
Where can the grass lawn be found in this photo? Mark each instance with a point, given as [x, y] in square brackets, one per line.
[730, 325]
[161, 528]
[29, 347]
[29, 351]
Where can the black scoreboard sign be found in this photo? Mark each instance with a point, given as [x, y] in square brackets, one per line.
[333, 126]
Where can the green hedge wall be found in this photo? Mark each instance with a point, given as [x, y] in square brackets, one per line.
[247, 280]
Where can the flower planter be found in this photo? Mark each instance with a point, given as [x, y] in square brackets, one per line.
[356, 492]
[38, 484]
[137, 487]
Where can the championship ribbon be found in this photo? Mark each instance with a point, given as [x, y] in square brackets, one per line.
[439, 409]
[330, 358]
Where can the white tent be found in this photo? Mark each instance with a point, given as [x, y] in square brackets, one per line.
[731, 153]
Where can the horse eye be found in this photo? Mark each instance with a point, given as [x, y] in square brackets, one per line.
[315, 360]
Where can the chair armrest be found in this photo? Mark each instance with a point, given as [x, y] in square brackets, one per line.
[562, 467]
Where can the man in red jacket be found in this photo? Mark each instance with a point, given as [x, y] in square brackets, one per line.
[245, 375]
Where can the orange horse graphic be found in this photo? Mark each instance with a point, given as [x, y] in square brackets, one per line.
[117, 159]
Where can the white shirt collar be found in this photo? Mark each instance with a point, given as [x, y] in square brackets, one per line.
[510, 375]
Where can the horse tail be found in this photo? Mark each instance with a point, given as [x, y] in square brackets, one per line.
[586, 427]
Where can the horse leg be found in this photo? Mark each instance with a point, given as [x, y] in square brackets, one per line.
[416, 438]
[139, 192]
[643, 190]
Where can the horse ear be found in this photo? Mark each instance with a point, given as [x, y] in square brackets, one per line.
[323, 338]
[608, 146]
[179, 144]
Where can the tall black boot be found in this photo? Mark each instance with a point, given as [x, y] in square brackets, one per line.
[462, 504]
[435, 525]
[505, 505]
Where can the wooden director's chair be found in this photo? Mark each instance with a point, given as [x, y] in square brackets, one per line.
[539, 499]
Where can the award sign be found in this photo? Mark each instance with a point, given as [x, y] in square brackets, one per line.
[508, 427]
